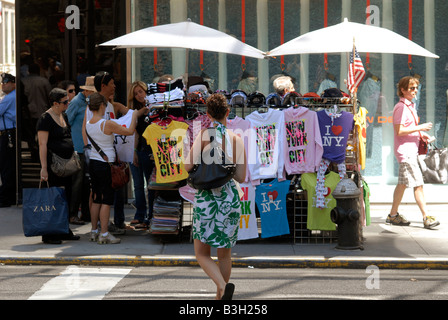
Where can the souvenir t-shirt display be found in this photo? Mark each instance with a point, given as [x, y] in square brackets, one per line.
[335, 128]
[167, 144]
[271, 203]
[361, 127]
[248, 220]
[266, 141]
[319, 218]
[302, 147]
[241, 127]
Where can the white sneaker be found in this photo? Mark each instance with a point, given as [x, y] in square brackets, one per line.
[94, 236]
[108, 239]
[430, 222]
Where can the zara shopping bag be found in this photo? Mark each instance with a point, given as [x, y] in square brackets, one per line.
[45, 211]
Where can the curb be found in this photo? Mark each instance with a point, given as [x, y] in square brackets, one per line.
[252, 262]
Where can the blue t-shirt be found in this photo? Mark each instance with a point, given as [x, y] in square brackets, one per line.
[271, 202]
[335, 134]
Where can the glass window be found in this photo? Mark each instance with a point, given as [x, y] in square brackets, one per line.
[267, 23]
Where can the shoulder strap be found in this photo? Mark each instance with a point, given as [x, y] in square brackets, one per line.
[100, 151]
[415, 119]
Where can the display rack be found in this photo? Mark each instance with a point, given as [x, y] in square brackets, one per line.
[297, 203]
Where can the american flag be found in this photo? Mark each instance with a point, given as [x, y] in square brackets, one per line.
[356, 72]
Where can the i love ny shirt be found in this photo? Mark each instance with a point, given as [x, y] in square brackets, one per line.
[335, 130]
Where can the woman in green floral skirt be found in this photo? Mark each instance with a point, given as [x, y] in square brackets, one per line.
[216, 212]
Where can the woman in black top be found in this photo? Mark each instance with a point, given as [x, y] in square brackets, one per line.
[54, 135]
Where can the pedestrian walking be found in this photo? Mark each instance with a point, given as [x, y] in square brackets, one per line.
[407, 133]
[217, 211]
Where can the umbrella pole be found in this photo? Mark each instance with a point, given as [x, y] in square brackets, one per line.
[187, 54]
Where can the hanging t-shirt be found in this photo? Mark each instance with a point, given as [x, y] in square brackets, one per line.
[196, 125]
[266, 141]
[335, 129]
[241, 128]
[167, 144]
[125, 144]
[319, 218]
[302, 147]
[248, 220]
[366, 195]
[271, 203]
[361, 127]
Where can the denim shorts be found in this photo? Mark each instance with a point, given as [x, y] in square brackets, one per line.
[101, 180]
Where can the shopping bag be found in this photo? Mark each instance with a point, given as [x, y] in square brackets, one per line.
[434, 165]
[45, 211]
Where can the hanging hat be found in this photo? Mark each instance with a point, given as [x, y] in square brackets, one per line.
[273, 100]
[238, 97]
[290, 99]
[256, 99]
[332, 93]
[89, 84]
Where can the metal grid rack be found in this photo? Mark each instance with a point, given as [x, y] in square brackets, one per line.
[297, 203]
[297, 206]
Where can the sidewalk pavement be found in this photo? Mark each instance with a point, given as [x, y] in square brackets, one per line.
[385, 246]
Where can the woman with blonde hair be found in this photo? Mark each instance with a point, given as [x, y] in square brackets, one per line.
[142, 165]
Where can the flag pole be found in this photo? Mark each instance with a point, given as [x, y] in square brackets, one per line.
[354, 95]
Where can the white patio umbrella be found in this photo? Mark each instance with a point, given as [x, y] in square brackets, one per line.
[340, 38]
[188, 35]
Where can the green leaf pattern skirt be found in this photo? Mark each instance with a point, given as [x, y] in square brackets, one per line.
[216, 216]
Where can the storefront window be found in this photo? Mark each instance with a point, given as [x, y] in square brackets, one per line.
[265, 22]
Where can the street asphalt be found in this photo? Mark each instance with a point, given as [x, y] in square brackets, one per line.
[385, 246]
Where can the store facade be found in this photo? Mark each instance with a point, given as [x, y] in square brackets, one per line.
[7, 37]
[265, 24]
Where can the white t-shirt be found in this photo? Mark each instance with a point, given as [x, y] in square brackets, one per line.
[266, 143]
[248, 221]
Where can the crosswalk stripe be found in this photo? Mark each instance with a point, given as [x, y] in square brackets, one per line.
[76, 283]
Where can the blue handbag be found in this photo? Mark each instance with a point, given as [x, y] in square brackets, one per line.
[45, 211]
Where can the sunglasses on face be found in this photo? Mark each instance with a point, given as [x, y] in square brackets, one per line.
[63, 102]
[413, 88]
[71, 91]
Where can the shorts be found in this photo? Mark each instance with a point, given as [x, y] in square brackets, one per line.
[101, 181]
[409, 174]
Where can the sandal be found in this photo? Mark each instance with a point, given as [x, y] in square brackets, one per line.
[135, 221]
[76, 220]
[228, 291]
[141, 226]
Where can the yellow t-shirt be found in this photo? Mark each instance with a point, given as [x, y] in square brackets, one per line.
[167, 144]
[361, 126]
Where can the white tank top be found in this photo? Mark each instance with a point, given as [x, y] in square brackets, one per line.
[104, 141]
